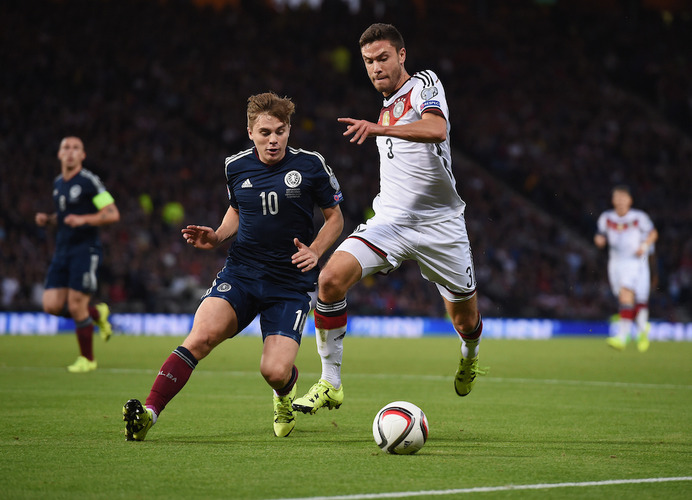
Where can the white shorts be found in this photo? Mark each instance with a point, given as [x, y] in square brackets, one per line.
[442, 251]
[633, 274]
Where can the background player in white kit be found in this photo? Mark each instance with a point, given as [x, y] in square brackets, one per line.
[418, 215]
[630, 235]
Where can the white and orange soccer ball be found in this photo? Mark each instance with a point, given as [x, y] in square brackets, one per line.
[400, 428]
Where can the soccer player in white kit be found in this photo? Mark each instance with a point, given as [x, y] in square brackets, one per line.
[630, 235]
[418, 215]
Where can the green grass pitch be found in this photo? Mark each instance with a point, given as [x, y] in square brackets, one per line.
[549, 412]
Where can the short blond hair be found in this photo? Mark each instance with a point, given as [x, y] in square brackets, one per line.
[271, 104]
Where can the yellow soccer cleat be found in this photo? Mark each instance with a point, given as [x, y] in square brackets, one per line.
[465, 378]
[82, 365]
[616, 343]
[643, 339]
[321, 394]
[105, 328]
[138, 420]
[284, 422]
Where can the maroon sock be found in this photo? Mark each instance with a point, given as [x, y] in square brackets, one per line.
[172, 377]
[85, 338]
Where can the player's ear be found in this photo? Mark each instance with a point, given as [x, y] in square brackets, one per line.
[402, 55]
[249, 133]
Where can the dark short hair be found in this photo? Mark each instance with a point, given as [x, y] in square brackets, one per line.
[381, 31]
[624, 188]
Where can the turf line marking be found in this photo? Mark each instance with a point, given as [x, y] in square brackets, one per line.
[596, 383]
[490, 489]
[398, 376]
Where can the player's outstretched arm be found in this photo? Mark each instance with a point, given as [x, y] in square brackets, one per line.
[206, 238]
[361, 129]
[202, 237]
[431, 128]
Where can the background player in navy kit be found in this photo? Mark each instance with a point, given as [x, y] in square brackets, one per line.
[271, 265]
[418, 215]
[81, 205]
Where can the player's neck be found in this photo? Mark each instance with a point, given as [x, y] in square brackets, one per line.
[402, 80]
[69, 172]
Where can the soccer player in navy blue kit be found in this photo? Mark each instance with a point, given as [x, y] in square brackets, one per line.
[81, 205]
[270, 268]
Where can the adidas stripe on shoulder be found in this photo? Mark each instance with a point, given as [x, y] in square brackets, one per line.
[326, 167]
[235, 157]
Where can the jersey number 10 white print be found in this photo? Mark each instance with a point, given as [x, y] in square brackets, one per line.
[270, 202]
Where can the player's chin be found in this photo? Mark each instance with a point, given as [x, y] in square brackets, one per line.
[274, 155]
[382, 85]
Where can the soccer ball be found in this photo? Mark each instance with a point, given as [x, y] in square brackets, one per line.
[400, 428]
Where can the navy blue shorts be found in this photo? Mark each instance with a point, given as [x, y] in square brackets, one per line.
[282, 311]
[75, 268]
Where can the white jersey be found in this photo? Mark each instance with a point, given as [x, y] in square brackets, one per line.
[625, 233]
[416, 180]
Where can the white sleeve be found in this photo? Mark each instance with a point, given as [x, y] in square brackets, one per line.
[646, 224]
[429, 95]
[601, 224]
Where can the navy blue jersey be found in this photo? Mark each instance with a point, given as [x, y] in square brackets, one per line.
[275, 204]
[77, 196]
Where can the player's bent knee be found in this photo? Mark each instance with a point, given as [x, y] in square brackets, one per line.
[201, 344]
[276, 376]
[465, 322]
[331, 287]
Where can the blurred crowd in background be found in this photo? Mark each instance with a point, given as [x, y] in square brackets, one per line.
[552, 103]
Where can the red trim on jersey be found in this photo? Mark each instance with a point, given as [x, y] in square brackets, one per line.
[460, 294]
[372, 247]
[389, 110]
[434, 111]
[620, 226]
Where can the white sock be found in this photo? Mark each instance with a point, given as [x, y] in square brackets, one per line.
[330, 346]
[469, 348]
[330, 329]
[642, 318]
[624, 329]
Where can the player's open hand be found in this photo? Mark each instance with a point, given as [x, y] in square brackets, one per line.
[360, 129]
[305, 258]
[200, 237]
